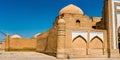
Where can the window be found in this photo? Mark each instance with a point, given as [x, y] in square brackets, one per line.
[62, 15]
[94, 27]
[77, 22]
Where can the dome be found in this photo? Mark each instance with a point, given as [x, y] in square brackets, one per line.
[61, 21]
[37, 35]
[71, 9]
[16, 36]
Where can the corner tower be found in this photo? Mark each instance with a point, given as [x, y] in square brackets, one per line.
[61, 39]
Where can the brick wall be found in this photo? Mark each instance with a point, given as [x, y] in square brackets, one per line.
[22, 44]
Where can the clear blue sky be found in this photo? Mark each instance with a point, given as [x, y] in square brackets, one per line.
[28, 17]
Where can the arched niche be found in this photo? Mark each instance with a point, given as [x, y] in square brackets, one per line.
[96, 46]
[79, 45]
[96, 42]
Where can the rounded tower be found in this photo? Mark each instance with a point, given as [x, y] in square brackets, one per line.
[61, 39]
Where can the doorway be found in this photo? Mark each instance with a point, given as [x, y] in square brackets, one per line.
[119, 38]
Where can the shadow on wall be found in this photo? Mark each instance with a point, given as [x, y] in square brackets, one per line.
[47, 42]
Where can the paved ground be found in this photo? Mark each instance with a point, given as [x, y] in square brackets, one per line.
[38, 56]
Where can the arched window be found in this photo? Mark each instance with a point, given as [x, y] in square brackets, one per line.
[78, 22]
[94, 27]
[62, 15]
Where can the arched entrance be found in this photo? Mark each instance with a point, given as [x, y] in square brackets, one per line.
[79, 45]
[119, 38]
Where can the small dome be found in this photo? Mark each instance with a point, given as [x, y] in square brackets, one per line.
[61, 21]
[35, 36]
[71, 9]
[16, 36]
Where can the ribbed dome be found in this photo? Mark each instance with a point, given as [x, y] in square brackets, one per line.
[71, 9]
[61, 21]
[16, 36]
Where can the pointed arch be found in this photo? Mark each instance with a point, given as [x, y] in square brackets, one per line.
[80, 37]
[96, 43]
[96, 46]
[96, 37]
[79, 45]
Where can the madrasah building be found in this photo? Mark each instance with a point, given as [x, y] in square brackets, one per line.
[75, 34]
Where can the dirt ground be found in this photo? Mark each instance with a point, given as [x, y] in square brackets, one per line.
[39, 56]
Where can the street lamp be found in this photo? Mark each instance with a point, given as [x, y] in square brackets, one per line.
[3, 33]
[6, 40]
